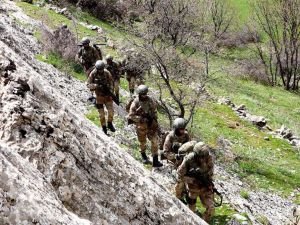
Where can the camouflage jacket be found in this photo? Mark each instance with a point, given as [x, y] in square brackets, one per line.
[88, 56]
[196, 170]
[140, 110]
[114, 69]
[172, 139]
[100, 82]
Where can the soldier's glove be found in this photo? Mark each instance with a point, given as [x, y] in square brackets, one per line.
[92, 87]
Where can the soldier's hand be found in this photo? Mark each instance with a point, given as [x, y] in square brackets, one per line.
[92, 87]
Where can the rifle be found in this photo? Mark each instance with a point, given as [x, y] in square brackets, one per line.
[108, 91]
[207, 182]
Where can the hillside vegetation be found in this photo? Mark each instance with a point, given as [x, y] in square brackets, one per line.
[261, 160]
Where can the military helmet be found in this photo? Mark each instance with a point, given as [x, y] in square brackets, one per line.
[142, 90]
[85, 41]
[109, 57]
[201, 149]
[179, 123]
[100, 65]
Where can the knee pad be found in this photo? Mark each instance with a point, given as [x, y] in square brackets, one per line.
[191, 201]
[99, 106]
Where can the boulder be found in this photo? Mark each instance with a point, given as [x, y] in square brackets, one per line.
[259, 121]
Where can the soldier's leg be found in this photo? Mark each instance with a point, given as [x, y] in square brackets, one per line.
[100, 107]
[131, 84]
[142, 137]
[179, 189]
[110, 113]
[117, 87]
[153, 137]
[192, 199]
[207, 199]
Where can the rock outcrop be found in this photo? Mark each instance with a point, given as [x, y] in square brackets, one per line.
[57, 167]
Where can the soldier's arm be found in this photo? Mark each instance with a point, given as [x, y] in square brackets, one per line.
[154, 109]
[133, 113]
[182, 169]
[210, 165]
[168, 148]
[78, 56]
[110, 81]
[90, 81]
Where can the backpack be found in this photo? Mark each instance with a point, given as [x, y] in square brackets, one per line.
[186, 148]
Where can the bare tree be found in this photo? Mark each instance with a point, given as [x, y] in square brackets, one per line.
[221, 14]
[280, 21]
[167, 33]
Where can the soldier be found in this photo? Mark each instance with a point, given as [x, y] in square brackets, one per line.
[196, 171]
[87, 56]
[133, 73]
[101, 81]
[143, 112]
[175, 139]
[114, 69]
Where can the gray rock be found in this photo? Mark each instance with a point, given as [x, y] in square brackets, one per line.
[259, 121]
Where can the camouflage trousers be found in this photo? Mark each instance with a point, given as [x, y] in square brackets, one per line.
[179, 189]
[117, 87]
[143, 132]
[206, 196]
[132, 81]
[106, 101]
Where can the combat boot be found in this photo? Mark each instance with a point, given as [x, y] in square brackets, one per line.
[156, 163]
[104, 128]
[118, 97]
[111, 127]
[145, 159]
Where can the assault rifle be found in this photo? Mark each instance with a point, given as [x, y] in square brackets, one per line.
[105, 89]
[207, 182]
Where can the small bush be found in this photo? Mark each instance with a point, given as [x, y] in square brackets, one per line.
[238, 39]
[255, 71]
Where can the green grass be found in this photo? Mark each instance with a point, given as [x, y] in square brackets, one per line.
[242, 8]
[270, 165]
[58, 62]
[222, 216]
[280, 107]
[244, 194]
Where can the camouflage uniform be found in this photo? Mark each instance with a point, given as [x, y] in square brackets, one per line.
[171, 140]
[87, 56]
[139, 113]
[103, 79]
[134, 77]
[199, 184]
[114, 69]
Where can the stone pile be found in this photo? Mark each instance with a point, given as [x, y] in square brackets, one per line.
[242, 112]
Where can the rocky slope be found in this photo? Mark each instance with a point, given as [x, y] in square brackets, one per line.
[56, 167]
